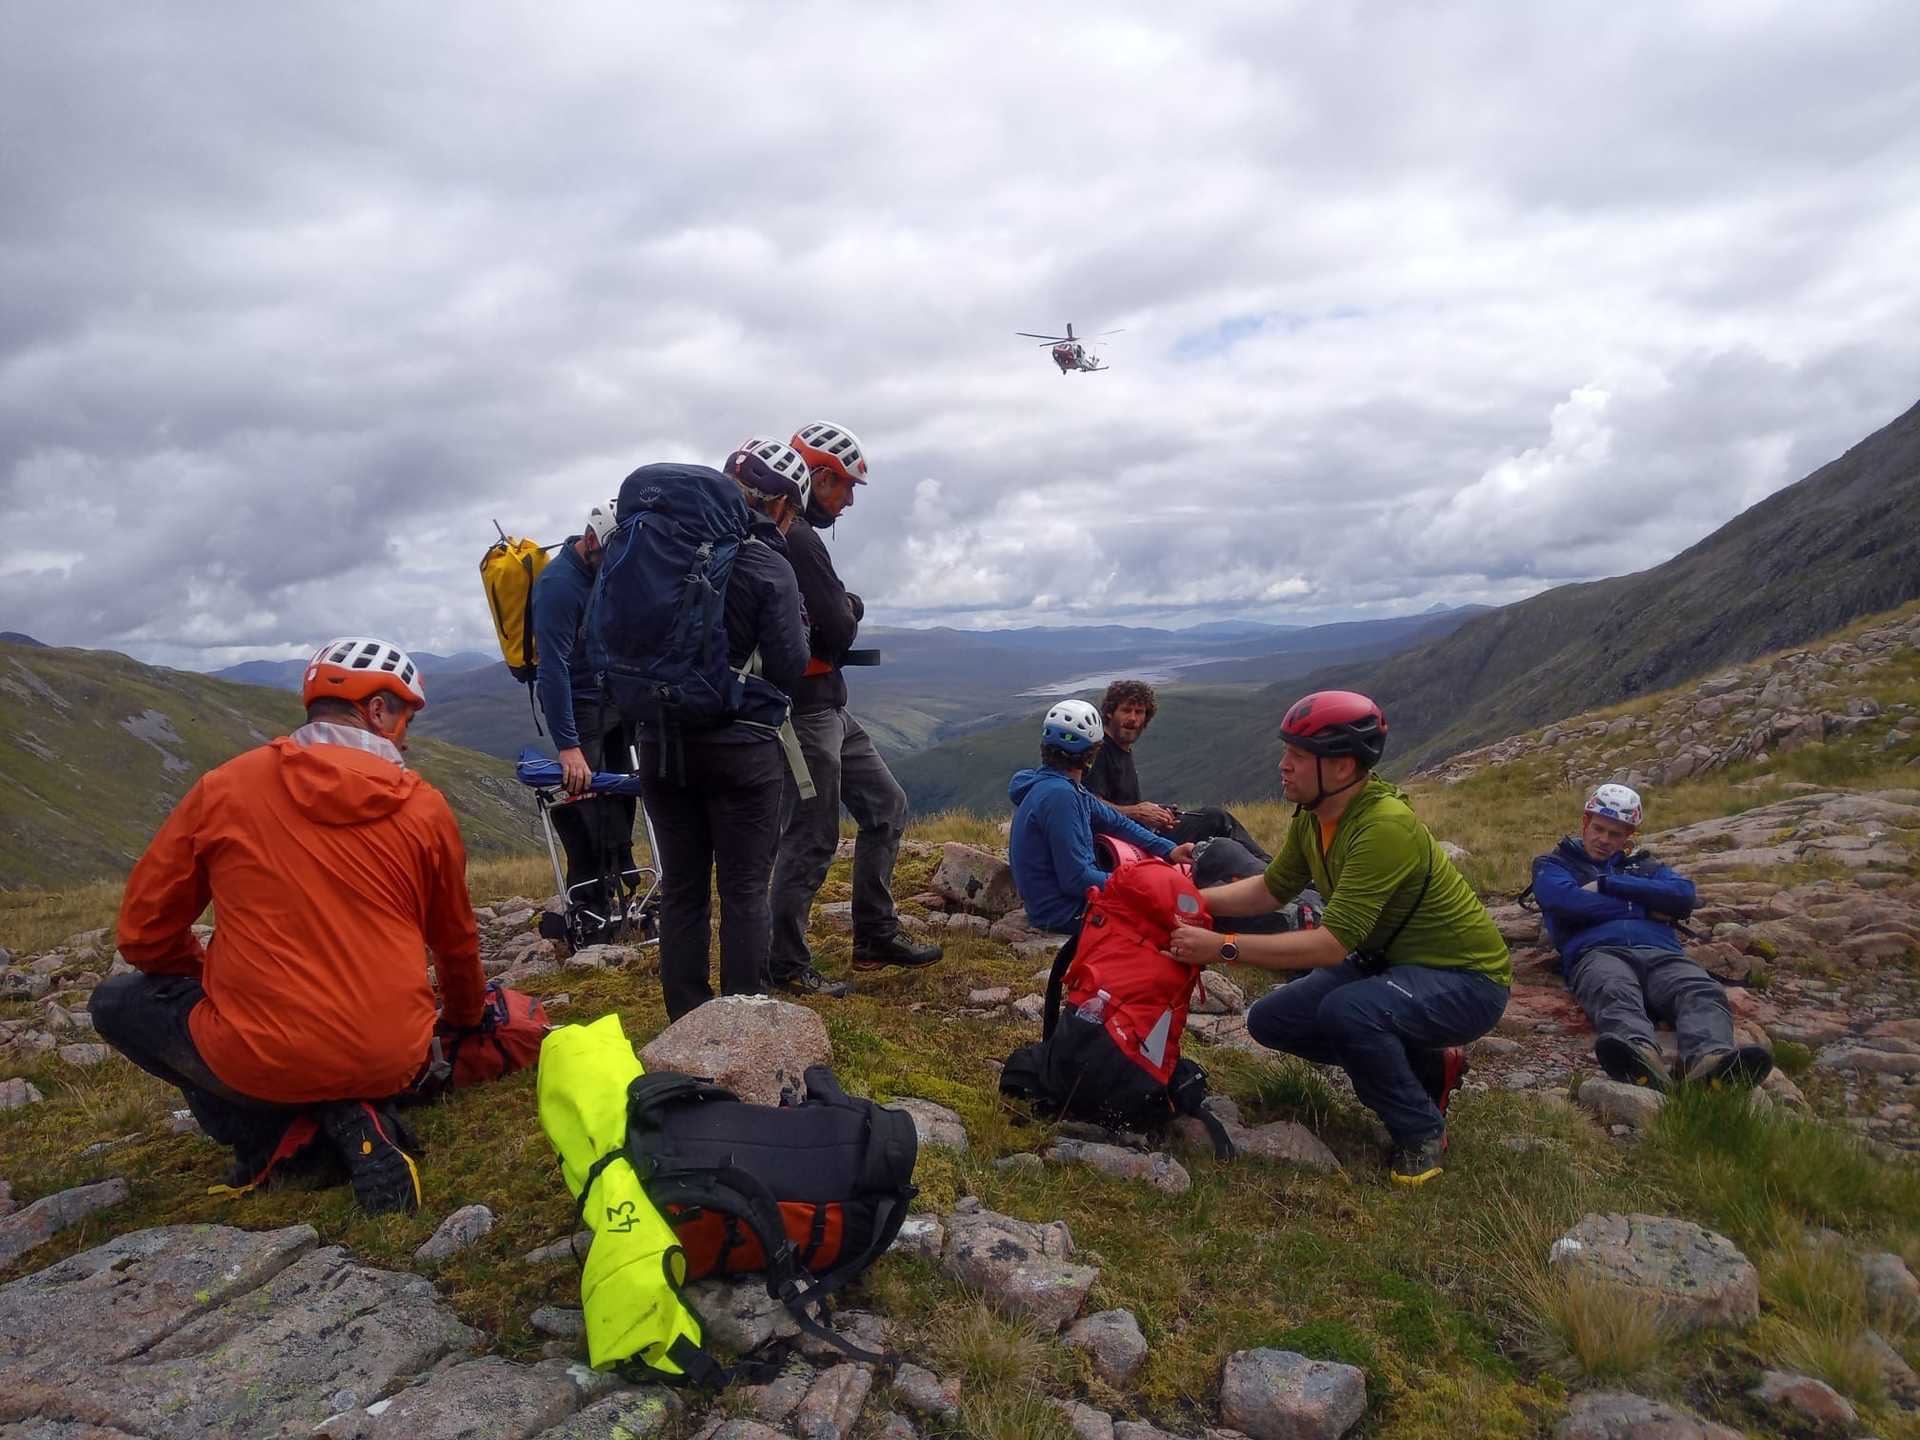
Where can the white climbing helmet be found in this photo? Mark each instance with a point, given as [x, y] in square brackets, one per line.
[1073, 726]
[1615, 802]
[601, 522]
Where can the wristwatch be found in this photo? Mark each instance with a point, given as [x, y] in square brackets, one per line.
[1229, 950]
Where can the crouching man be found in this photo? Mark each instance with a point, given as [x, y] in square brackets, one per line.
[1050, 849]
[1407, 965]
[1611, 914]
[332, 869]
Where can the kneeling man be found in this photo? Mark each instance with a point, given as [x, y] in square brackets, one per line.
[1407, 966]
[332, 870]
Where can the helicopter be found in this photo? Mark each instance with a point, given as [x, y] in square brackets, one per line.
[1070, 353]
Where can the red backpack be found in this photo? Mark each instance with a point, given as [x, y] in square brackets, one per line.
[506, 1039]
[1113, 1056]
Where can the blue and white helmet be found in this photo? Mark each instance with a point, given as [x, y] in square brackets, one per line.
[1615, 802]
[1073, 726]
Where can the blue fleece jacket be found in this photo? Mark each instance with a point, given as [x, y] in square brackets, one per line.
[566, 682]
[1051, 848]
[1616, 910]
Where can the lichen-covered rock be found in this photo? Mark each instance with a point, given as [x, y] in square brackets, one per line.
[921, 1235]
[1019, 1267]
[1161, 1171]
[1113, 1339]
[1697, 1279]
[1282, 1395]
[976, 878]
[754, 1045]
[1615, 1415]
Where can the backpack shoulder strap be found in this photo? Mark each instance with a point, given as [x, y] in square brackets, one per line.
[1050, 1017]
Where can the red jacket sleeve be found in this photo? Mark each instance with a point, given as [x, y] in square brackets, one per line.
[452, 932]
[165, 894]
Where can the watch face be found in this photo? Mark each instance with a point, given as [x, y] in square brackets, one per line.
[1229, 950]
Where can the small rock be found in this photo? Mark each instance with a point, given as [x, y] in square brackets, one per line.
[561, 1323]
[860, 1328]
[1813, 1401]
[921, 1235]
[832, 1407]
[1282, 1395]
[84, 1054]
[774, 1400]
[1615, 1415]
[16, 1092]
[181, 1122]
[979, 879]
[46, 1217]
[740, 1315]
[1218, 995]
[1114, 1340]
[1891, 1288]
[1620, 1104]
[1161, 1171]
[575, 1245]
[754, 1045]
[925, 1393]
[1031, 1008]
[993, 995]
[1022, 1160]
[896, 1427]
[1018, 1266]
[936, 1125]
[456, 1233]
[1086, 1422]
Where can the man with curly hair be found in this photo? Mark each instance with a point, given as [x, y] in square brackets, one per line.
[1126, 710]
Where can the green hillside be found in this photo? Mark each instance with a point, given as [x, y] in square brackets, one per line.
[95, 749]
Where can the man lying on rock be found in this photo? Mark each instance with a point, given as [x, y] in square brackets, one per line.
[1050, 848]
[332, 869]
[1126, 710]
[1611, 913]
[1407, 965]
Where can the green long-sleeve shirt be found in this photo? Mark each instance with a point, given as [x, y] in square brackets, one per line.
[1370, 877]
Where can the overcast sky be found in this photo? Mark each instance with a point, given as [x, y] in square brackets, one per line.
[1422, 303]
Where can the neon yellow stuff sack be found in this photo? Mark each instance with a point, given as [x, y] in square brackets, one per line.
[630, 1289]
[507, 572]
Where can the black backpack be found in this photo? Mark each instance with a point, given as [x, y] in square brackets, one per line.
[810, 1194]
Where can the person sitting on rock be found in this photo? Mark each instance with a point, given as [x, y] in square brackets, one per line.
[1050, 848]
[1407, 965]
[1611, 913]
[1126, 710]
[332, 870]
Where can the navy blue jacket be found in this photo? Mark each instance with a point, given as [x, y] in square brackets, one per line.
[1051, 847]
[565, 685]
[1615, 912]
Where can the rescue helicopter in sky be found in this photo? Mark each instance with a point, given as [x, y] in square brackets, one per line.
[1070, 353]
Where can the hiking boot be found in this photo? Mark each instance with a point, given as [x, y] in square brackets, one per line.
[1633, 1062]
[1440, 1073]
[1747, 1067]
[375, 1146]
[896, 949]
[811, 982]
[1417, 1164]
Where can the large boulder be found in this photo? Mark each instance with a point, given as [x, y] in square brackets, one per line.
[1697, 1279]
[1019, 1267]
[1281, 1395]
[754, 1045]
[975, 878]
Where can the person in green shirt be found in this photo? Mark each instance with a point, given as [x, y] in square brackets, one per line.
[1407, 965]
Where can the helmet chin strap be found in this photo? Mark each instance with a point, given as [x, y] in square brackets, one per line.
[1320, 784]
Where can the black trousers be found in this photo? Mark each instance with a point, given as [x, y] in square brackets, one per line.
[597, 834]
[719, 812]
[144, 1017]
[1209, 823]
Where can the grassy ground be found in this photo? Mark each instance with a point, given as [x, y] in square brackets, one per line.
[1441, 1294]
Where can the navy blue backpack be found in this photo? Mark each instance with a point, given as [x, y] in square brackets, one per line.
[657, 624]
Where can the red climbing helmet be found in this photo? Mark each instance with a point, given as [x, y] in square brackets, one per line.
[1337, 722]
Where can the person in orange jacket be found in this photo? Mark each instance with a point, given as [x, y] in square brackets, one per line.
[332, 869]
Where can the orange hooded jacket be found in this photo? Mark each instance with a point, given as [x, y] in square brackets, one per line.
[331, 870]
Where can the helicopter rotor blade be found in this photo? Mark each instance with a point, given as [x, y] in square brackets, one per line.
[1104, 333]
[1051, 339]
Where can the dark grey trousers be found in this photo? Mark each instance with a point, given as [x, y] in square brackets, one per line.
[1625, 988]
[847, 771]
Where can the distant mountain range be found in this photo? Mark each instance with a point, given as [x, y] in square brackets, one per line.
[287, 674]
[1841, 543]
[95, 748]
